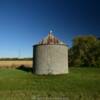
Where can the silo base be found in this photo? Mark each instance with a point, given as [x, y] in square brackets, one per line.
[51, 59]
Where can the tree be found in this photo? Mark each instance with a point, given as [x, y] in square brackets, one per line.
[85, 51]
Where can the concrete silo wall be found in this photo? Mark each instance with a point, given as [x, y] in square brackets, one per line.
[51, 59]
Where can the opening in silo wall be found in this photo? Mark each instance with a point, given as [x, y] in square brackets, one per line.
[50, 59]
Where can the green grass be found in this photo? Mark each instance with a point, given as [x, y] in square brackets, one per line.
[79, 84]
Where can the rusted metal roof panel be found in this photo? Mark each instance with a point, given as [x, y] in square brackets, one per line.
[51, 39]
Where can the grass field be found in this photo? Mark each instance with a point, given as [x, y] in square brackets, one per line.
[15, 63]
[79, 84]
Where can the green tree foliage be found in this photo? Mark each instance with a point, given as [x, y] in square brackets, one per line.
[85, 51]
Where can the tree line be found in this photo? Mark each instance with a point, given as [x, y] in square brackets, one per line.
[85, 51]
[19, 59]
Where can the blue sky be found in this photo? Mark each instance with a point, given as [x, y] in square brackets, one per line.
[24, 23]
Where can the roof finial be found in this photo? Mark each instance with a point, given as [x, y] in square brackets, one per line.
[50, 31]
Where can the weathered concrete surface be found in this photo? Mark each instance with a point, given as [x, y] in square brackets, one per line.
[50, 59]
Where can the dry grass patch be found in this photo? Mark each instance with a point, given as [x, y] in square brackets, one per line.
[15, 63]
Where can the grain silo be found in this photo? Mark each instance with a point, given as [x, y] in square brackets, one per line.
[50, 56]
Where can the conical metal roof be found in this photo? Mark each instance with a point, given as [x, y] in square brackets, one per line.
[51, 39]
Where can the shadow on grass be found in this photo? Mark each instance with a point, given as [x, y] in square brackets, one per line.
[25, 68]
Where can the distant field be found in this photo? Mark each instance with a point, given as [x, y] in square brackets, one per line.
[79, 84]
[15, 63]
